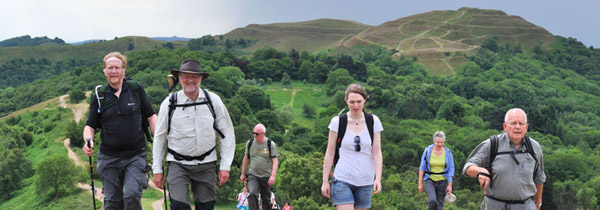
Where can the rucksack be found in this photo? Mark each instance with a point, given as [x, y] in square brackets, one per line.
[173, 105]
[426, 164]
[250, 145]
[134, 87]
[494, 152]
[343, 122]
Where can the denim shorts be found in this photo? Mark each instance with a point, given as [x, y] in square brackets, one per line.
[344, 193]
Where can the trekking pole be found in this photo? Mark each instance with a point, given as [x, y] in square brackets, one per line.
[172, 83]
[91, 175]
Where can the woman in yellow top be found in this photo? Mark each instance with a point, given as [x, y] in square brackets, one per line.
[437, 170]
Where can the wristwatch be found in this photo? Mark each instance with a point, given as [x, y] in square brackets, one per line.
[539, 205]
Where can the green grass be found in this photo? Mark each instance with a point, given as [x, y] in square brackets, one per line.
[311, 94]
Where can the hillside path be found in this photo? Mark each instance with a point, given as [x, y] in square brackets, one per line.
[427, 31]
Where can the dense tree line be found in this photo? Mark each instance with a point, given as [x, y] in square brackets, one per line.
[28, 41]
[562, 105]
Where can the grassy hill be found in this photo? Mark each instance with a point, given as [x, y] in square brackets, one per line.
[439, 39]
[311, 35]
[92, 51]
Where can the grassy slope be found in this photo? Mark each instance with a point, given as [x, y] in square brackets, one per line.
[311, 35]
[429, 35]
[92, 51]
[296, 95]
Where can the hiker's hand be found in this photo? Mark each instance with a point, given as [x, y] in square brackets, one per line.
[243, 178]
[420, 187]
[87, 150]
[223, 177]
[376, 187]
[449, 189]
[158, 180]
[325, 189]
[271, 181]
[484, 181]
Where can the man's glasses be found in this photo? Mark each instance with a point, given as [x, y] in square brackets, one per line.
[256, 134]
[357, 141]
[515, 124]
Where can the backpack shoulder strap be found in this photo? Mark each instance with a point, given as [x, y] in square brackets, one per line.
[269, 146]
[249, 146]
[342, 123]
[212, 111]
[493, 153]
[369, 120]
[172, 106]
[531, 152]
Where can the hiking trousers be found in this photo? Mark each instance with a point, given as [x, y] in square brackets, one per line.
[118, 173]
[436, 191]
[256, 186]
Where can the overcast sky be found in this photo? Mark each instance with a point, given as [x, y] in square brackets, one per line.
[79, 20]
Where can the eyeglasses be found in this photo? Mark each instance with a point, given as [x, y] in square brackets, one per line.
[256, 134]
[357, 141]
[515, 124]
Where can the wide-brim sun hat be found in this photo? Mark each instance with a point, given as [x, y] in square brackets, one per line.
[190, 66]
[449, 198]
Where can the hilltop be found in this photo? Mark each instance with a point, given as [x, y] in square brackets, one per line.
[439, 39]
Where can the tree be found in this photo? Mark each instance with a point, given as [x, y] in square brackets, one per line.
[228, 44]
[338, 79]
[309, 111]
[56, 173]
[76, 95]
[256, 97]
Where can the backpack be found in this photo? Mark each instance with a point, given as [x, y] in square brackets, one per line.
[173, 105]
[134, 87]
[494, 152]
[343, 122]
[426, 164]
[250, 145]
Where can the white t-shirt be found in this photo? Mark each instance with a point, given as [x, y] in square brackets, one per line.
[356, 168]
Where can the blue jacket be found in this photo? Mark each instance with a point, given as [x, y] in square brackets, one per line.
[449, 163]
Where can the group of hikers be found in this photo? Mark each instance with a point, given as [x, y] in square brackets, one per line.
[192, 121]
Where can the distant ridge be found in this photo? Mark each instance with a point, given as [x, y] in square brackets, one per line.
[170, 39]
[86, 41]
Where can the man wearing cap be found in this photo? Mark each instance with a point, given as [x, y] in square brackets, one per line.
[190, 127]
[122, 154]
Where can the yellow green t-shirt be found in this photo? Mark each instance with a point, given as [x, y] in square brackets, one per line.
[437, 165]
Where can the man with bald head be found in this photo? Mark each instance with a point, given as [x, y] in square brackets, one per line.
[261, 154]
[517, 171]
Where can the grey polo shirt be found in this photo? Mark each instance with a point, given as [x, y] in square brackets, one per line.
[510, 181]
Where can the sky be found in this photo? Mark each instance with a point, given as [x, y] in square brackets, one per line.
[79, 20]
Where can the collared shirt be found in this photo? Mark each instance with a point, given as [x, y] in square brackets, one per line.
[448, 158]
[511, 181]
[192, 132]
[120, 121]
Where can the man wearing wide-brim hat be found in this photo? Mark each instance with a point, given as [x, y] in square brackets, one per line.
[189, 123]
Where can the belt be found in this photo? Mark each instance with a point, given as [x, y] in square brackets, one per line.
[508, 201]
